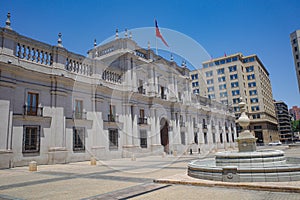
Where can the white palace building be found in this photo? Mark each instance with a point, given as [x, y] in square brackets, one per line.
[121, 100]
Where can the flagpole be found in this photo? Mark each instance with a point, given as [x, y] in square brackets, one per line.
[156, 45]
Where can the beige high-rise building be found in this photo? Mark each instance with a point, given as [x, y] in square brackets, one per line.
[295, 42]
[230, 78]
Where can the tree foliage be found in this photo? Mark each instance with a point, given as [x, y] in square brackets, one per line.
[296, 126]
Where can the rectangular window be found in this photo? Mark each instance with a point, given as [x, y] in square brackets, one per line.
[296, 49]
[254, 100]
[78, 139]
[256, 116]
[250, 69]
[297, 56]
[233, 76]
[195, 84]
[112, 113]
[209, 73]
[234, 58]
[234, 84]
[221, 137]
[211, 96]
[235, 92]
[251, 77]
[182, 135]
[228, 60]
[143, 138]
[210, 89]
[32, 103]
[232, 68]
[113, 139]
[225, 102]
[195, 138]
[252, 84]
[220, 71]
[222, 62]
[222, 87]
[252, 92]
[251, 59]
[78, 109]
[194, 76]
[294, 41]
[223, 94]
[236, 109]
[31, 139]
[205, 138]
[255, 108]
[210, 81]
[236, 100]
[196, 91]
[222, 79]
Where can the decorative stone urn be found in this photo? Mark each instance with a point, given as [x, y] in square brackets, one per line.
[246, 141]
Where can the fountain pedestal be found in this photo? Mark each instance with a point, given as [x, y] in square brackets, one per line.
[246, 142]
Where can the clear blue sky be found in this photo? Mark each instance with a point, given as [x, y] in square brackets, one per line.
[259, 27]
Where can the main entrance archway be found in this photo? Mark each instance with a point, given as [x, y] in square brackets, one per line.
[164, 134]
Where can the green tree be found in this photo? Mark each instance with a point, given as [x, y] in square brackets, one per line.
[296, 126]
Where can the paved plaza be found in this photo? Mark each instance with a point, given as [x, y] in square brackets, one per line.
[124, 179]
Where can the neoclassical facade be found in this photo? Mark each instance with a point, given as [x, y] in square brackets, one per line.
[119, 101]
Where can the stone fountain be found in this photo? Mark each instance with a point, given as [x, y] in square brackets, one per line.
[247, 164]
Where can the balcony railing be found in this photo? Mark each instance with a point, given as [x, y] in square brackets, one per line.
[204, 126]
[182, 124]
[141, 90]
[142, 120]
[163, 96]
[32, 110]
[79, 115]
[111, 118]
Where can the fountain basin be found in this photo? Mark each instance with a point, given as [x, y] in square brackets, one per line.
[258, 166]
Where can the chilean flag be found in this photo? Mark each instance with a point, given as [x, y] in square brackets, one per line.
[159, 35]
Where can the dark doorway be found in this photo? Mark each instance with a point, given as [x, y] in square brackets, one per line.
[259, 136]
[164, 134]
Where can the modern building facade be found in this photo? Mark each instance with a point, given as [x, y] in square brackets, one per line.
[284, 122]
[295, 43]
[295, 113]
[119, 101]
[230, 78]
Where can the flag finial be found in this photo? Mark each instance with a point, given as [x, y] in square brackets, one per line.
[126, 34]
[7, 23]
[59, 40]
[117, 34]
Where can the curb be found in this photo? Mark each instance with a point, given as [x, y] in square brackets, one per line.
[274, 188]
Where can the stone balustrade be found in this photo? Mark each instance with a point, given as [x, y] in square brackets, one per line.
[77, 66]
[111, 76]
[35, 54]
